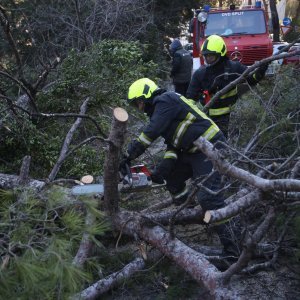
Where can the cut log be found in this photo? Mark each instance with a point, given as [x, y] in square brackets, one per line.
[87, 179]
[121, 114]
[232, 209]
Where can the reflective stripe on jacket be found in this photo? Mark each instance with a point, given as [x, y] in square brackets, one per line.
[215, 78]
[179, 121]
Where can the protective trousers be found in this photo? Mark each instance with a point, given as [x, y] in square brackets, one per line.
[197, 166]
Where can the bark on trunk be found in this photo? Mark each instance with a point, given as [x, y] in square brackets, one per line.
[67, 142]
[190, 260]
[212, 216]
[24, 172]
[111, 164]
[224, 167]
[186, 216]
[8, 182]
[105, 284]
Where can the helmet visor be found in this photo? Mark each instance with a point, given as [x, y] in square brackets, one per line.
[211, 59]
[136, 103]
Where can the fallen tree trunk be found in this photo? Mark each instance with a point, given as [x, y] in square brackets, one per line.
[186, 216]
[86, 243]
[8, 182]
[190, 260]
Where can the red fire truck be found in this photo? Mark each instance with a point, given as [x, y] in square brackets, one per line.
[244, 29]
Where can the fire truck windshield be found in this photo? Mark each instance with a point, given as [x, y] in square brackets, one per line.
[235, 23]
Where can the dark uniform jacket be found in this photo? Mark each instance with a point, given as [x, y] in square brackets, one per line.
[182, 65]
[178, 120]
[214, 78]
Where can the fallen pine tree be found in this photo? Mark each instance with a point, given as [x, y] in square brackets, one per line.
[152, 227]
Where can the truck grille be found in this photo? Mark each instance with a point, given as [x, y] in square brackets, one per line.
[250, 54]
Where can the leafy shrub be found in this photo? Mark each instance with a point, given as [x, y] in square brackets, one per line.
[103, 74]
[266, 111]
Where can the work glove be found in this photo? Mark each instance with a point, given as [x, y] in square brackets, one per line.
[124, 164]
[135, 149]
[124, 170]
[263, 68]
[260, 72]
[156, 177]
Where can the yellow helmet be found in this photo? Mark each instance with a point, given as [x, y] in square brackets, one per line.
[141, 89]
[214, 44]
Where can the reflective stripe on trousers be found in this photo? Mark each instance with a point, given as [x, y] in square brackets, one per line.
[208, 134]
[219, 111]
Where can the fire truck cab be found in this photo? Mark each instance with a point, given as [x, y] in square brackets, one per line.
[244, 29]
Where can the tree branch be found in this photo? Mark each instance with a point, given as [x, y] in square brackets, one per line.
[244, 75]
[105, 284]
[67, 142]
[225, 167]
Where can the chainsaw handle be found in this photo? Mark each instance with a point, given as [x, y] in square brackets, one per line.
[128, 173]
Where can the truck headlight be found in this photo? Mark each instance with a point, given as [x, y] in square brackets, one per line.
[202, 17]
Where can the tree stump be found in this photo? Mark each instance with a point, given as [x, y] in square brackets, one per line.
[111, 165]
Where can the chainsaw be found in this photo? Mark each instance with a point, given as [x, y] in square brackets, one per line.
[135, 178]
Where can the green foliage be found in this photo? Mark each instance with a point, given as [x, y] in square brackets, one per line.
[180, 285]
[39, 241]
[266, 112]
[163, 280]
[296, 230]
[7, 197]
[103, 73]
[170, 17]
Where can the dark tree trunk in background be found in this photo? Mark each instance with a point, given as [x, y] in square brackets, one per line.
[297, 14]
[275, 20]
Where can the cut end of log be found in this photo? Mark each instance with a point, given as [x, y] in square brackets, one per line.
[87, 179]
[207, 217]
[120, 114]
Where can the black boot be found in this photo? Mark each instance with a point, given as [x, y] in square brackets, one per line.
[230, 235]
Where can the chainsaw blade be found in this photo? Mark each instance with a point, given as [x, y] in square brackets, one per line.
[138, 179]
[94, 189]
[87, 189]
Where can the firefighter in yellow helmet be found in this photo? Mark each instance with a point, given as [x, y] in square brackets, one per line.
[217, 72]
[180, 122]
